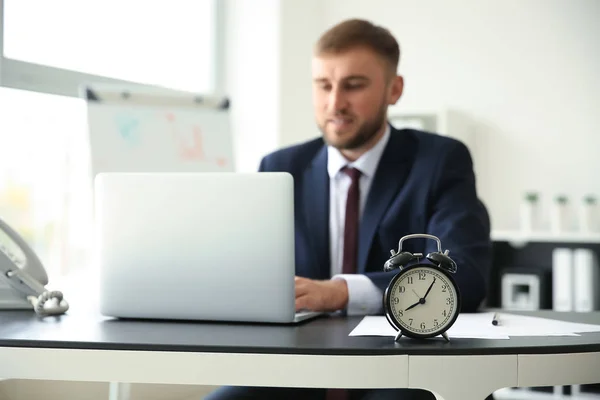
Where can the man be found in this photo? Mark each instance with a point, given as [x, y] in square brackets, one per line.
[399, 182]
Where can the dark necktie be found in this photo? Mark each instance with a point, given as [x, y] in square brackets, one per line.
[350, 247]
[351, 224]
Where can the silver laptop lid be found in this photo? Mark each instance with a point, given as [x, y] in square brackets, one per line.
[208, 246]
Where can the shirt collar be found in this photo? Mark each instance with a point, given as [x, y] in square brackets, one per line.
[367, 163]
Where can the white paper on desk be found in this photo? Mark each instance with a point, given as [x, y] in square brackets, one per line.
[522, 325]
[479, 326]
[379, 326]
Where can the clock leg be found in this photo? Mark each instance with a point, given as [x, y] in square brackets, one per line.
[398, 336]
[445, 336]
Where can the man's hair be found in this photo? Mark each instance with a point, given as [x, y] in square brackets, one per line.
[354, 33]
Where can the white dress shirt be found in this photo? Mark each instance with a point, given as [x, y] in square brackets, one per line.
[364, 296]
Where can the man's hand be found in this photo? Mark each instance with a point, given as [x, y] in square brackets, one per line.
[325, 296]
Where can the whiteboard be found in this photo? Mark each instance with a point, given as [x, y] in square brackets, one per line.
[151, 130]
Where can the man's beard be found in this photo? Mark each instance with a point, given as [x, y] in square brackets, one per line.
[363, 135]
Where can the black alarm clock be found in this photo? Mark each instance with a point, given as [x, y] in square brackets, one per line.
[422, 299]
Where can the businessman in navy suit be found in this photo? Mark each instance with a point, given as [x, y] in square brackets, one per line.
[364, 184]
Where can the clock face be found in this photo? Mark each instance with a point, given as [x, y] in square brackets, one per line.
[422, 301]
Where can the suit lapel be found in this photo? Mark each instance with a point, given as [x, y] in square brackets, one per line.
[315, 190]
[390, 175]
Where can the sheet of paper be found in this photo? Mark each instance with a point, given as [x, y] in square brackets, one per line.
[521, 325]
[379, 326]
[479, 326]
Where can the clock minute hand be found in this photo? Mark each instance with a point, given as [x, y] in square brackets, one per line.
[429, 289]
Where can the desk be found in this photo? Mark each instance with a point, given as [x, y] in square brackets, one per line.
[317, 353]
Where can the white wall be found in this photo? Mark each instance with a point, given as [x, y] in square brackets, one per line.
[252, 77]
[526, 73]
[302, 23]
[269, 44]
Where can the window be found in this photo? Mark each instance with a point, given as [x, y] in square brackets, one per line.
[47, 50]
[43, 187]
[53, 46]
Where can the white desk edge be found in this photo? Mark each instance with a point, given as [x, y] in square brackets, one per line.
[450, 377]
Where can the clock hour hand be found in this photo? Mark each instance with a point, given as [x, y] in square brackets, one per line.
[429, 289]
[421, 301]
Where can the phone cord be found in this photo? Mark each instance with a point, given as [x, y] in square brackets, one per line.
[39, 303]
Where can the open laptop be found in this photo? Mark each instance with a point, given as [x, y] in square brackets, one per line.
[196, 246]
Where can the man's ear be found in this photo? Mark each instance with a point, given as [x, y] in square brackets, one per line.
[396, 89]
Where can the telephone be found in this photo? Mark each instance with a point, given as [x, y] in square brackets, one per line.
[22, 277]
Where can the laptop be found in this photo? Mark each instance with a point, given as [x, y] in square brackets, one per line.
[196, 246]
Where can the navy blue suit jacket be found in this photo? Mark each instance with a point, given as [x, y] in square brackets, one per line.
[424, 183]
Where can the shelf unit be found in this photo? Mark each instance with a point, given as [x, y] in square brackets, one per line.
[529, 249]
[520, 237]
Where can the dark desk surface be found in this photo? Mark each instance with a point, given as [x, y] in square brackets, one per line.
[325, 335]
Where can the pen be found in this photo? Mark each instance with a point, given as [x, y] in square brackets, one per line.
[495, 320]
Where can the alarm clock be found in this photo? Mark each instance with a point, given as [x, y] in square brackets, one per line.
[422, 300]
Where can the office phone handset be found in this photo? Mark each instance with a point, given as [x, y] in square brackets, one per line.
[25, 278]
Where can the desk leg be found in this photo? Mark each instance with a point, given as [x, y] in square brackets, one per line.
[462, 377]
[119, 391]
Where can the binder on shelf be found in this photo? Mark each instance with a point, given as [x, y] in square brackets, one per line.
[562, 287]
[585, 280]
[562, 279]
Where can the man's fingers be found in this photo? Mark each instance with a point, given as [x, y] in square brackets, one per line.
[302, 303]
[301, 290]
[302, 286]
